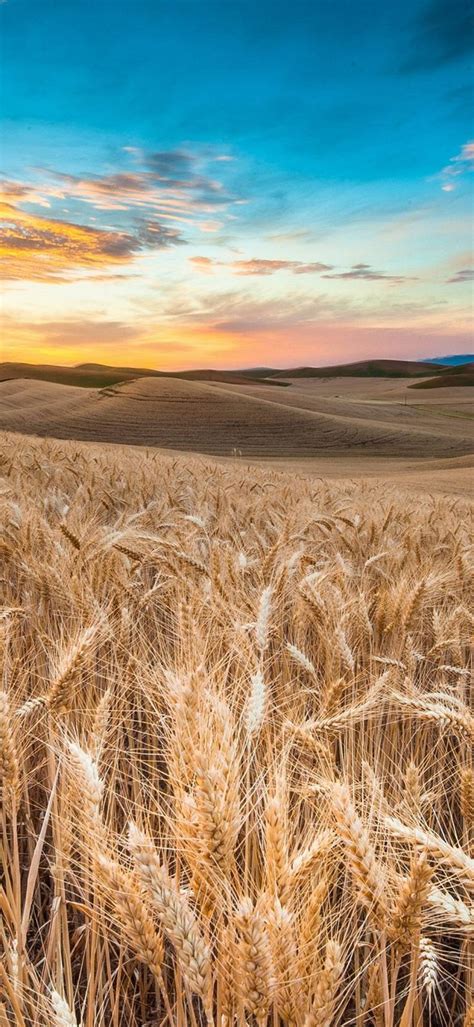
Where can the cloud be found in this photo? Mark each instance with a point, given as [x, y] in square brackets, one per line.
[238, 312]
[78, 331]
[156, 236]
[298, 235]
[466, 275]
[269, 267]
[172, 199]
[171, 164]
[182, 165]
[76, 339]
[260, 267]
[150, 205]
[210, 226]
[19, 192]
[203, 264]
[48, 249]
[458, 165]
[364, 272]
[443, 32]
[173, 182]
[243, 312]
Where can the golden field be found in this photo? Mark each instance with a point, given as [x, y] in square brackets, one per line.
[235, 738]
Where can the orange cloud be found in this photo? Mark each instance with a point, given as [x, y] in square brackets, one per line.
[46, 249]
[203, 264]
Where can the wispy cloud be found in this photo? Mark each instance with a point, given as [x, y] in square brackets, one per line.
[251, 318]
[260, 267]
[364, 272]
[295, 235]
[466, 275]
[172, 183]
[458, 165]
[268, 267]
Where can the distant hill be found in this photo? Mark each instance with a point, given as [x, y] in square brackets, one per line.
[362, 369]
[100, 376]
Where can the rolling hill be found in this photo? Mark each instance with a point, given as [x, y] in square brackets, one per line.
[98, 376]
[223, 419]
[452, 377]
[364, 369]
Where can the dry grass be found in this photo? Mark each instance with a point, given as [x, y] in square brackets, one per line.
[236, 746]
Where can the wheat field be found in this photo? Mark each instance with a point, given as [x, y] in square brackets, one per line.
[235, 746]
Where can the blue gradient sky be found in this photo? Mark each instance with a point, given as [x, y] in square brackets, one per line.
[235, 182]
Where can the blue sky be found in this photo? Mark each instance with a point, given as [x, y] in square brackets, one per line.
[191, 182]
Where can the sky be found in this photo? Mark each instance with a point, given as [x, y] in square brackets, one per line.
[233, 183]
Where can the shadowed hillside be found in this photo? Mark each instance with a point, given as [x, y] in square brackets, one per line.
[458, 375]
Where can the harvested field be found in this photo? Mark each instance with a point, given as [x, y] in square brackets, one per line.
[344, 417]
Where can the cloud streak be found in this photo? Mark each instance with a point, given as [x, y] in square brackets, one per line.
[460, 164]
[366, 273]
[262, 268]
[259, 267]
[466, 275]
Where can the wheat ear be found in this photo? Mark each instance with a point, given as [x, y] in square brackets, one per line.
[406, 916]
[58, 697]
[255, 963]
[133, 916]
[366, 871]
[321, 1013]
[9, 769]
[176, 917]
[63, 1014]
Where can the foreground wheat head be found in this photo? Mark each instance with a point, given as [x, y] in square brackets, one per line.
[236, 732]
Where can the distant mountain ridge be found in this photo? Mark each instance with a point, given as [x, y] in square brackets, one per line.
[454, 359]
